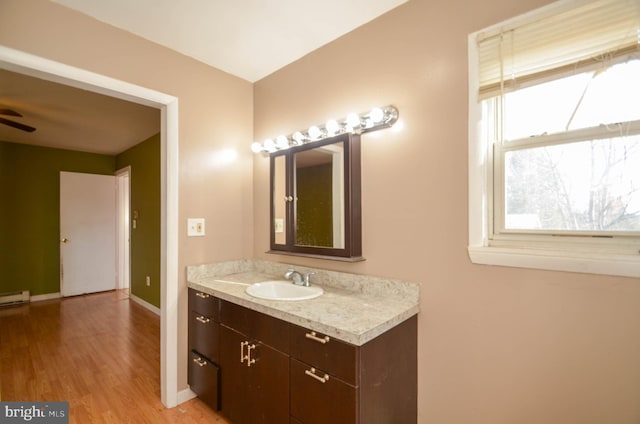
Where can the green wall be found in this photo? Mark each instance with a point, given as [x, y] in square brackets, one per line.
[144, 160]
[314, 222]
[30, 212]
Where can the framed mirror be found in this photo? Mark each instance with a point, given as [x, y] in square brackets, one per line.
[315, 199]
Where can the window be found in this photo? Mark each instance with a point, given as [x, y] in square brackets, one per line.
[554, 139]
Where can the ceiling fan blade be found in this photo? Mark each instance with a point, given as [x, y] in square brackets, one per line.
[10, 112]
[17, 125]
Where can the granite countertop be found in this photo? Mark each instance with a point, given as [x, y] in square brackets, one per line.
[354, 316]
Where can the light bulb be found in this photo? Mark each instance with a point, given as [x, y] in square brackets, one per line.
[298, 137]
[376, 115]
[269, 145]
[332, 127]
[282, 142]
[256, 147]
[353, 121]
[314, 132]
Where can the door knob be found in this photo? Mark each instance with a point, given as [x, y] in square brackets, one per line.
[64, 240]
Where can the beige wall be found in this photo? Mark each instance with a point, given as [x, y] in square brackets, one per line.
[215, 114]
[496, 345]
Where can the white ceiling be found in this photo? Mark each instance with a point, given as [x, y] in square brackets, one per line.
[247, 38]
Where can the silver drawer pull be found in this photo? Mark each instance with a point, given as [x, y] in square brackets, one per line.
[202, 319]
[312, 373]
[314, 336]
[202, 295]
[199, 361]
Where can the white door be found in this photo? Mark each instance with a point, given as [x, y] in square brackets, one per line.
[87, 233]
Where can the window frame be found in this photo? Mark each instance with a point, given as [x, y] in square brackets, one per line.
[618, 256]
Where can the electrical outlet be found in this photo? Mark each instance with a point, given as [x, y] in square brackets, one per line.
[148, 281]
[279, 227]
[195, 227]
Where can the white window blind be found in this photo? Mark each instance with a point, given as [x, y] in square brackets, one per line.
[574, 37]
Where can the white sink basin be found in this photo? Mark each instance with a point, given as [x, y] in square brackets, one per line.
[283, 290]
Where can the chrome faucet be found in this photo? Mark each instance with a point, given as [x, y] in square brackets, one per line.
[297, 277]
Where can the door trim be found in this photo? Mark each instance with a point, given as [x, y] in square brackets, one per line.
[123, 230]
[39, 67]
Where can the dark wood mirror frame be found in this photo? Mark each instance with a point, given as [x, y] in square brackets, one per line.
[352, 220]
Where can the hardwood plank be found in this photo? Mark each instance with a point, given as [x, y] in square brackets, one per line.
[99, 352]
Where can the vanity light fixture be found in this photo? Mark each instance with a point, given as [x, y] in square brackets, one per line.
[376, 119]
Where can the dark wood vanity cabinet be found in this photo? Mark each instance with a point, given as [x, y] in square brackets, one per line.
[271, 371]
[333, 381]
[323, 378]
[254, 360]
[204, 328]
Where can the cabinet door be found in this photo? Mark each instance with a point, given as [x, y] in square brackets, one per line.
[204, 303]
[321, 399]
[255, 325]
[204, 379]
[270, 385]
[204, 311]
[234, 376]
[203, 335]
[333, 356]
[256, 392]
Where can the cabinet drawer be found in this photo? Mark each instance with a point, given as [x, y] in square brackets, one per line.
[335, 357]
[204, 380]
[320, 398]
[204, 303]
[203, 335]
[255, 325]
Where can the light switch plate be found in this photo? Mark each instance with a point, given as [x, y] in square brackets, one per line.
[195, 227]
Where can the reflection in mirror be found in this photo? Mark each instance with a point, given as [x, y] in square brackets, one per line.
[280, 203]
[319, 195]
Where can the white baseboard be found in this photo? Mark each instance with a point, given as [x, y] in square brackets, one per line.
[46, 296]
[145, 304]
[185, 395]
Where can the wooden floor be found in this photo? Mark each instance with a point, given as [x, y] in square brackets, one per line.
[99, 352]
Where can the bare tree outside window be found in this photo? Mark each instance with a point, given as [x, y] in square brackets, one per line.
[586, 186]
[569, 183]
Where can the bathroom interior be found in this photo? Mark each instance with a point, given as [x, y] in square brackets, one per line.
[486, 343]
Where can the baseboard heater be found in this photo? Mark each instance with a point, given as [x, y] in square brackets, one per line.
[14, 298]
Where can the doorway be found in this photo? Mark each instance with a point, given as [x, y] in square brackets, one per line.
[40, 67]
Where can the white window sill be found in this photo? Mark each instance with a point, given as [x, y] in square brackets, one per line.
[557, 260]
